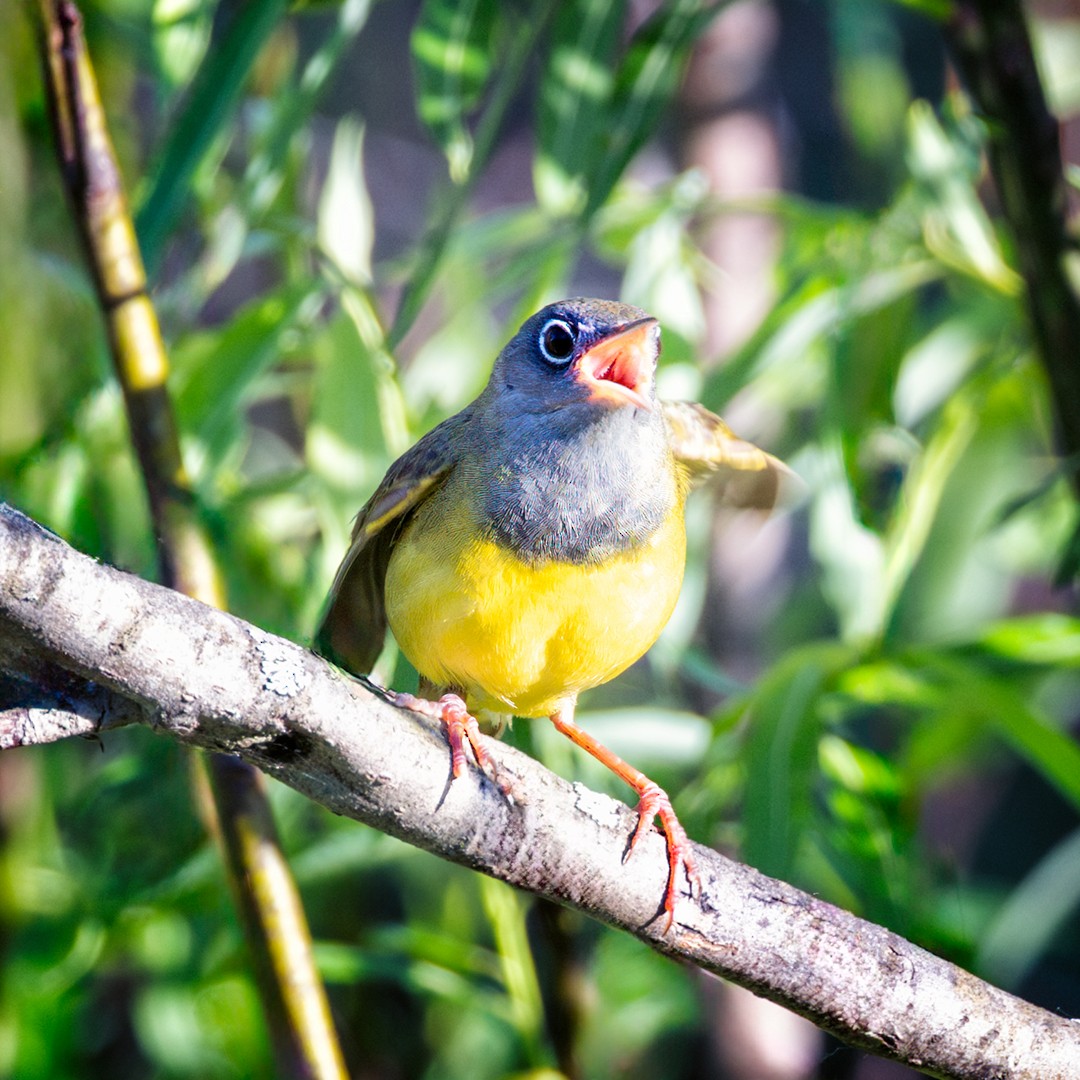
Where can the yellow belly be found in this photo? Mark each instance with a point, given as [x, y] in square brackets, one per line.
[523, 639]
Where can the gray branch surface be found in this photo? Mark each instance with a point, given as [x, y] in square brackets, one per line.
[85, 647]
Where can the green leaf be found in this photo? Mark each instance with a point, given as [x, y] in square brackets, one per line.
[210, 103]
[1024, 927]
[1068, 566]
[866, 834]
[182, 30]
[452, 51]
[645, 83]
[348, 439]
[865, 362]
[956, 224]
[1052, 752]
[1004, 705]
[885, 682]
[662, 269]
[346, 220]
[935, 9]
[782, 755]
[924, 489]
[509, 78]
[292, 109]
[936, 366]
[1050, 638]
[851, 555]
[215, 369]
[575, 99]
[506, 912]
[807, 315]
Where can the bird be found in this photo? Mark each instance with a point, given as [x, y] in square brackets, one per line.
[532, 546]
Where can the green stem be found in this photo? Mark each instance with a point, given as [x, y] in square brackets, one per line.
[433, 246]
[294, 1001]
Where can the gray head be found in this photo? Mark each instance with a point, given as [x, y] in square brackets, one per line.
[571, 453]
[579, 352]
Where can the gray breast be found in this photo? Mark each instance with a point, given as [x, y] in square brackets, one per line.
[583, 495]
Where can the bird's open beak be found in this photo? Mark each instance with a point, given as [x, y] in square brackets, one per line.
[619, 369]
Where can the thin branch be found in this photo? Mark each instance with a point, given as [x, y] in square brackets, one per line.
[992, 47]
[99, 207]
[297, 1010]
[42, 703]
[208, 679]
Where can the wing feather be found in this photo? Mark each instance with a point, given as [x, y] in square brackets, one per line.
[745, 475]
[352, 628]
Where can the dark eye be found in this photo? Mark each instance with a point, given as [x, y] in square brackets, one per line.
[557, 341]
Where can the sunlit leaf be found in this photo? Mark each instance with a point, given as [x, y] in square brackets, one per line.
[1034, 911]
[851, 555]
[781, 761]
[182, 33]
[346, 221]
[452, 57]
[575, 101]
[957, 226]
[1050, 639]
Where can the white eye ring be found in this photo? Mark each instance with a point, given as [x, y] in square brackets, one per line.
[552, 342]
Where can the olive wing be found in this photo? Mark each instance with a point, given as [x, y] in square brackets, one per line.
[745, 475]
[352, 628]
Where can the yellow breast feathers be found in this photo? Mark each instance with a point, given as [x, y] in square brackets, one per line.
[517, 637]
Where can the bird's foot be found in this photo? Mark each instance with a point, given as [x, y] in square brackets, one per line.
[654, 802]
[461, 728]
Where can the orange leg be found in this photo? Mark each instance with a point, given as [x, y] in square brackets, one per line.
[461, 728]
[653, 801]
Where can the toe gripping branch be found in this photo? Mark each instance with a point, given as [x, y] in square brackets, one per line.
[653, 802]
[461, 728]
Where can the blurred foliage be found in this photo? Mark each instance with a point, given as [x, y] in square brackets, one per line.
[906, 746]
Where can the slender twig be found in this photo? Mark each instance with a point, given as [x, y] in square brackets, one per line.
[208, 679]
[297, 1011]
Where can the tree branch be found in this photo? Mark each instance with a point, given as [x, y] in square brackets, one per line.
[42, 703]
[79, 630]
[294, 1000]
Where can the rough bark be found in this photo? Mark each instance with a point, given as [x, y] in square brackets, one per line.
[80, 641]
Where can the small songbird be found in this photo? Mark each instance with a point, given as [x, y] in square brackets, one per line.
[532, 546]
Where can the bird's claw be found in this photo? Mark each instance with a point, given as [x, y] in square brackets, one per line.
[461, 728]
[654, 802]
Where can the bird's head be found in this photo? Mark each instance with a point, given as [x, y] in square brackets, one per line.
[573, 352]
